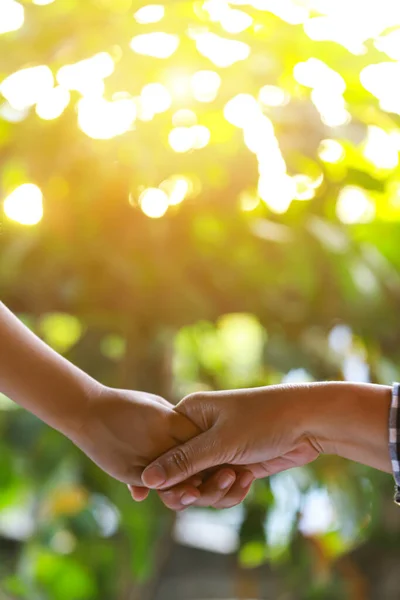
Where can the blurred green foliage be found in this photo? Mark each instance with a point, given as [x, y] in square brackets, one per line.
[220, 292]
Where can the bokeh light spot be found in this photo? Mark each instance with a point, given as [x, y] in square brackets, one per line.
[184, 117]
[277, 192]
[103, 120]
[221, 51]
[248, 201]
[314, 73]
[354, 206]
[12, 16]
[152, 13]
[272, 95]
[177, 188]
[86, 76]
[154, 202]
[235, 21]
[305, 187]
[181, 139]
[201, 135]
[53, 104]
[381, 149]
[156, 44]
[24, 88]
[25, 204]
[241, 109]
[156, 98]
[331, 151]
[205, 85]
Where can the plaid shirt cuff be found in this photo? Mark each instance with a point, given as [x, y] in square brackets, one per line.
[394, 439]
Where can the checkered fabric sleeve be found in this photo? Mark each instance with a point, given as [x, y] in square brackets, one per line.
[394, 438]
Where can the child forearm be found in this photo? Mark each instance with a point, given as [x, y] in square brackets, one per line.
[39, 379]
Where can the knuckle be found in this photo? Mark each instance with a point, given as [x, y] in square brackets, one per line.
[193, 400]
[180, 461]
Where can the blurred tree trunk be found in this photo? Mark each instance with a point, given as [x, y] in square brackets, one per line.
[147, 362]
[146, 366]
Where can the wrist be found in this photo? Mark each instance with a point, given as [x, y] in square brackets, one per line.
[350, 420]
[73, 419]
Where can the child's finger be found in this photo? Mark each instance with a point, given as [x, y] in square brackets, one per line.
[138, 493]
[172, 498]
[238, 492]
[216, 487]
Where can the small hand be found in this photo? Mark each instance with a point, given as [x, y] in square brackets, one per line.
[124, 430]
[260, 429]
[221, 488]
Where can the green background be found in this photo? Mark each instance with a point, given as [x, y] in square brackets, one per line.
[210, 296]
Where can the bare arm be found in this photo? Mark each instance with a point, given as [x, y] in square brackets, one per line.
[275, 428]
[352, 422]
[120, 430]
[39, 379]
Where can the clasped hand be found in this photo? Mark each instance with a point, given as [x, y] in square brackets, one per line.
[213, 445]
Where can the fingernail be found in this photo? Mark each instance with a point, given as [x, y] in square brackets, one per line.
[246, 479]
[154, 476]
[225, 481]
[188, 499]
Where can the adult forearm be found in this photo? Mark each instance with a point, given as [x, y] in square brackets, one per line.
[350, 420]
[39, 379]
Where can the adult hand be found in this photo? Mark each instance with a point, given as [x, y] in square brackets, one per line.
[262, 429]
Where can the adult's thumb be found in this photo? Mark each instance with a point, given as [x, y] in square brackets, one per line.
[180, 463]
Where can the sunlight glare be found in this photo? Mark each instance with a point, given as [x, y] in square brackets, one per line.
[272, 95]
[184, 117]
[12, 16]
[177, 188]
[354, 206]
[152, 13]
[390, 44]
[241, 110]
[331, 151]
[259, 137]
[314, 73]
[305, 187]
[205, 85]
[201, 136]
[277, 192]
[103, 120]
[25, 204]
[53, 104]
[341, 31]
[290, 11]
[156, 98]
[12, 115]
[154, 202]
[331, 107]
[216, 9]
[327, 90]
[351, 24]
[381, 80]
[235, 21]
[24, 88]
[181, 139]
[221, 51]
[86, 76]
[156, 44]
[381, 149]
